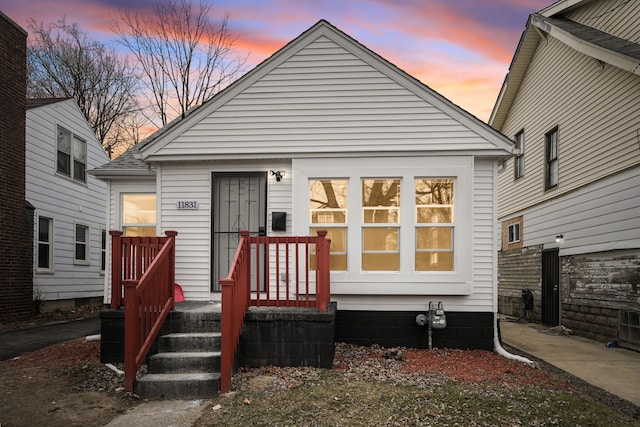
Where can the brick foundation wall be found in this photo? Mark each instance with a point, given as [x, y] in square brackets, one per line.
[16, 216]
[595, 287]
[519, 269]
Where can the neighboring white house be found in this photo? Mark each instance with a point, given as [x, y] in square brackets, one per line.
[70, 205]
[569, 203]
[334, 137]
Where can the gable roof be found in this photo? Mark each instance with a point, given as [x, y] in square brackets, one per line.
[150, 148]
[590, 41]
[126, 164]
[41, 102]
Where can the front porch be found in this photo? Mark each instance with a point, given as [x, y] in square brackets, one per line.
[191, 348]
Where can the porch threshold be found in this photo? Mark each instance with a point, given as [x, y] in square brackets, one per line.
[199, 306]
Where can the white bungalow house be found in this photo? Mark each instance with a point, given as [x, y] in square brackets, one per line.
[70, 221]
[569, 203]
[326, 134]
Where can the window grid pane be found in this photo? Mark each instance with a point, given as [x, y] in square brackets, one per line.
[64, 151]
[139, 214]
[434, 230]
[380, 207]
[79, 159]
[328, 206]
[514, 233]
[103, 249]
[338, 249]
[551, 147]
[519, 160]
[44, 243]
[81, 243]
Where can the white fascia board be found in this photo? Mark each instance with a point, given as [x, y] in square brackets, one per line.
[493, 153]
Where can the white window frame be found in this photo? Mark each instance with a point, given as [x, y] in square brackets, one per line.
[551, 159]
[407, 281]
[372, 225]
[123, 225]
[50, 243]
[76, 144]
[512, 230]
[329, 225]
[518, 161]
[87, 244]
[451, 225]
[103, 250]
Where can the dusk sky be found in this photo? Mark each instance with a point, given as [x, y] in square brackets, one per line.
[460, 48]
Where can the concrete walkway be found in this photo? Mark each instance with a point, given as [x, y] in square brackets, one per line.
[615, 370]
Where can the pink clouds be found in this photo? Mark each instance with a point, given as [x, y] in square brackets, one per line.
[460, 48]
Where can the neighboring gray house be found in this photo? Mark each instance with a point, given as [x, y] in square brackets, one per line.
[325, 134]
[569, 202]
[69, 242]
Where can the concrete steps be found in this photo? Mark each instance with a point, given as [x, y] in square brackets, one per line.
[179, 386]
[187, 365]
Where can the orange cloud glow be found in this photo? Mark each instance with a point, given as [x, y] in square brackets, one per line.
[460, 48]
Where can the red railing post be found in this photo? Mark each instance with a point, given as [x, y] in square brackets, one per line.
[116, 269]
[143, 268]
[227, 345]
[236, 294]
[131, 333]
[322, 266]
[171, 279]
[237, 286]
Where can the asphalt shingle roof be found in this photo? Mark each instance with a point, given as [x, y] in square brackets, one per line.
[597, 37]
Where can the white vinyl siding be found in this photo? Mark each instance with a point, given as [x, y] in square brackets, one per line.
[65, 202]
[597, 110]
[616, 17]
[324, 96]
[180, 181]
[598, 217]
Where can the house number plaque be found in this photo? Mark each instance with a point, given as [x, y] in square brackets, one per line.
[187, 204]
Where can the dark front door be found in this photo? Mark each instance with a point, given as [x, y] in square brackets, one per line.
[550, 288]
[239, 203]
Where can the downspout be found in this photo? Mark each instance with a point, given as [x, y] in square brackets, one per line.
[497, 347]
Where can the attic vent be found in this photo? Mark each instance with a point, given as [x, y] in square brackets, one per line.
[630, 327]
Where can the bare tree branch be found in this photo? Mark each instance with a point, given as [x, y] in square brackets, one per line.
[184, 57]
[63, 62]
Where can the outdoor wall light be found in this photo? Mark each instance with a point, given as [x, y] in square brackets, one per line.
[559, 238]
[278, 175]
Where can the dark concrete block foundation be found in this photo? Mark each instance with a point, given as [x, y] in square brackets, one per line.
[464, 330]
[288, 337]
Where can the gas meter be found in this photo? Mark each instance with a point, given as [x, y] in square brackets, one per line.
[437, 317]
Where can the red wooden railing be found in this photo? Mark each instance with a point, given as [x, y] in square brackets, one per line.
[146, 276]
[135, 255]
[288, 255]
